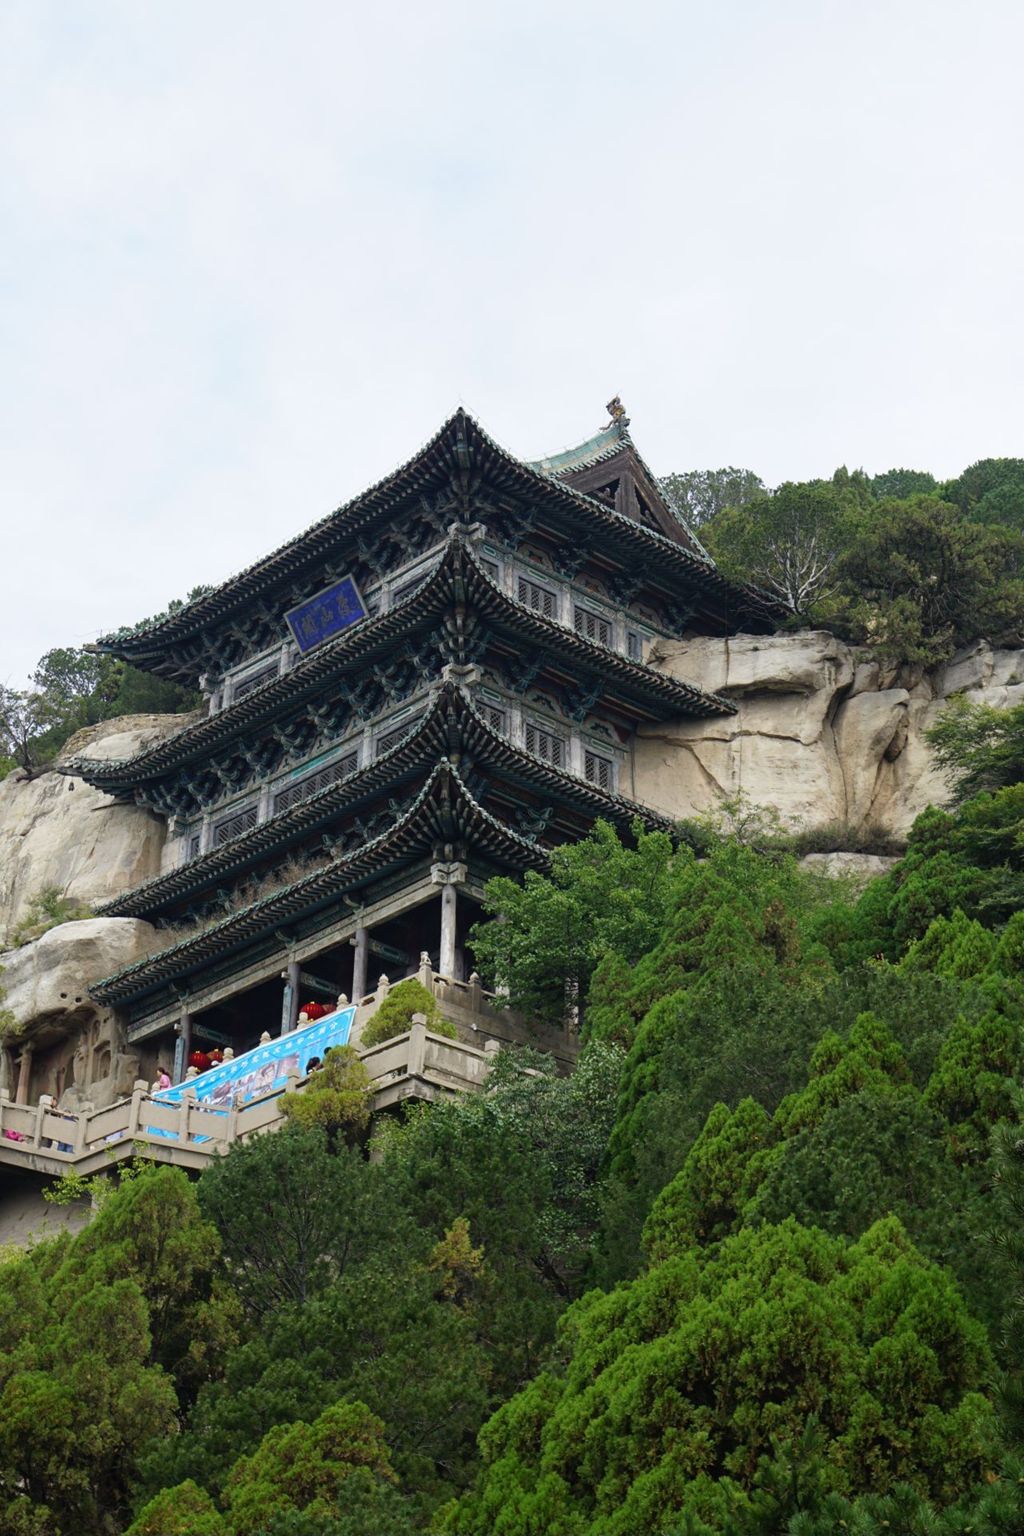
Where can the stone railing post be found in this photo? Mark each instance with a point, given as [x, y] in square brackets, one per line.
[139, 1094]
[45, 1101]
[417, 1045]
[476, 991]
[188, 1098]
[292, 1080]
[425, 974]
[491, 1049]
[81, 1131]
[231, 1121]
[383, 988]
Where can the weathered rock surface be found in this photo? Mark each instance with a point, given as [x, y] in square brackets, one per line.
[77, 1048]
[822, 734]
[45, 982]
[57, 831]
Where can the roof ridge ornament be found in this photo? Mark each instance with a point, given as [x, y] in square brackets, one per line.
[617, 411]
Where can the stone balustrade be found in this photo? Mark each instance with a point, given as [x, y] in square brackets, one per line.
[42, 1139]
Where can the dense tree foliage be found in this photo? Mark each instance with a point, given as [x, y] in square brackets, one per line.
[700, 494]
[754, 1269]
[897, 562]
[681, 1392]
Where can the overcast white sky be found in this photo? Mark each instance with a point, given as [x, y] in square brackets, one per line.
[251, 255]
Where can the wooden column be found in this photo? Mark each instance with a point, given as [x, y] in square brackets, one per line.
[182, 1046]
[360, 960]
[290, 1001]
[449, 919]
[448, 876]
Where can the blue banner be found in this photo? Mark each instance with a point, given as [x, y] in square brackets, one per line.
[326, 614]
[265, 1069]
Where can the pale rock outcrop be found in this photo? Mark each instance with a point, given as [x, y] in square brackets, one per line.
[77, 1048]
[823, 732]
[56, 831]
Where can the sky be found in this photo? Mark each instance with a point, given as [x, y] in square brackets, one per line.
[252, 254]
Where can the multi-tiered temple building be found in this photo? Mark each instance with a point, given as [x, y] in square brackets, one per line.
[437, 682]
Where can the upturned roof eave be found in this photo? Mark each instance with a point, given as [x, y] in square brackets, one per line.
[356, 646]
[408, 837]
[458, 438]
[333, 802]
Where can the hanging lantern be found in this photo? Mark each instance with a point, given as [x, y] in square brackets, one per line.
[199, 1060]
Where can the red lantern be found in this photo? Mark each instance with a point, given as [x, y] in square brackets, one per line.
[314, 1011]
[199, 1060]
[216, 1056]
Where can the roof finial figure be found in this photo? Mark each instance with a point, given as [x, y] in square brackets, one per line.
[617, 411]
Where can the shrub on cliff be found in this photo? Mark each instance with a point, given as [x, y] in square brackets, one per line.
[394, 1016]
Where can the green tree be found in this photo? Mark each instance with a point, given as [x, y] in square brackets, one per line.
[21, 724]
[978, 747]
[95, 1331]
[700, 494]
[920, 581]
[394, 1016]
[184, 1510]
[336, 1099]
[407, 1331]
[322, 1471]
[547, 934]
[991, 491]
[898, 484]
[789, 542]
[680, 1393]
[291, 1215]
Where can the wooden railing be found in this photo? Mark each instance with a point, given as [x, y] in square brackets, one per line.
[43, 1139]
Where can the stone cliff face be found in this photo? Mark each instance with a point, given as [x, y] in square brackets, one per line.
[822, 732]
[58, 832]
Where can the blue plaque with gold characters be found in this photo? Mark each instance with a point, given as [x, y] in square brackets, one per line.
[326, 614]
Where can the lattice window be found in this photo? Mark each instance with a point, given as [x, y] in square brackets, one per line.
[496, 718]
[545, 744]
[541, 599]
[634, 645]
[313, 783]
[592, 626]
[247, 685]
[394, 736]
[235, 825]
[194, 844]
[598, 770]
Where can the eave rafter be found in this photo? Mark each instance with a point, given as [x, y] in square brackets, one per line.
[451, 728]
[461, 607]
[443, 814]
[455, 473]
